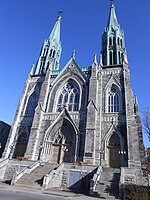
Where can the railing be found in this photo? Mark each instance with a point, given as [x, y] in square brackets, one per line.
[26, 170]
[94, 180]
[53, 179]
[3, 164]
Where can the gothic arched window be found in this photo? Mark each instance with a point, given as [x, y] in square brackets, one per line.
[113, 99]
[114, 57]
[31, 105]
[69, 96]
[51, 53]
[111, 58]
[119, 57]
[114, 40]
[121, 42]
[58, 138]
[110, 41]
[118, 41]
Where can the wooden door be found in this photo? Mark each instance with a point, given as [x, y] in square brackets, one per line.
[56, 154]
[114, 149]
[114, 157]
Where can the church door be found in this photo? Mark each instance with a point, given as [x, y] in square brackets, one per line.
[56, 153]
[62, 147]
[114, 151]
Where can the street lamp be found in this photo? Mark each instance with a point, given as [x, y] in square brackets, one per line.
[101, 152]
[11, 148]
[65, 149]
[122, 154]
[40, 150]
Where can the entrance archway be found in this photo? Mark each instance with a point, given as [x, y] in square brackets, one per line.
[114, 148]
[21, 145]
[63, 145]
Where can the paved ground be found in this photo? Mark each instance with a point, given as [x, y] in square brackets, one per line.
[8, 192]
[8, 195]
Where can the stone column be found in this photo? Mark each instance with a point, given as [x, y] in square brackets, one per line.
[11, 141]
[90, 137]
[34, 143]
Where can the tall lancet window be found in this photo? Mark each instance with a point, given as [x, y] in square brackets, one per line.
[31, 105]
[113, 99]
[69, 96]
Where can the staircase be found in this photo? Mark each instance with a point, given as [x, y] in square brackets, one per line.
[35, 178]
[108, 185]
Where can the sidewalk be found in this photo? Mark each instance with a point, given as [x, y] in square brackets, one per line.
[63, 194]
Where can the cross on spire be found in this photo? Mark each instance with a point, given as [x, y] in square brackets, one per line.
[111, 2]
[74, 54]
[59, 14]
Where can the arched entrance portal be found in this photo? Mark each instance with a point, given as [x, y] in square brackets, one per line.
[21, 145]
[114, 148]
[63, 145]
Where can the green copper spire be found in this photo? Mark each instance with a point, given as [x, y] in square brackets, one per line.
[55, 34]
[51, 50]
[113, 45]
[112, 20]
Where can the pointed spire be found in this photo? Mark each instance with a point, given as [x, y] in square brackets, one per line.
[112, 21]
[125, 57]
[113, 45]
[74, 54]
[136, 109]
[101, 60]
[95, 59]
[136, 100]
[32, 70]
[55, 34]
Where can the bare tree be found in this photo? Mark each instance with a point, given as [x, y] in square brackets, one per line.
[146, 121]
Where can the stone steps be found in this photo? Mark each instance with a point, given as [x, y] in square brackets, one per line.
[35, 178]
[108, 185]
[15, 165]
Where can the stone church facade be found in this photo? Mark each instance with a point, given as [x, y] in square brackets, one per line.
[86, 114]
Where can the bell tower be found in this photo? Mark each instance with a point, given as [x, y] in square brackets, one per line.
[113, 44]
[51, 50]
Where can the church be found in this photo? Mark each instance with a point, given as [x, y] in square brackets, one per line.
[85, 115]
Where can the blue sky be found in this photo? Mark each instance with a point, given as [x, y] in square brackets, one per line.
[26, 23]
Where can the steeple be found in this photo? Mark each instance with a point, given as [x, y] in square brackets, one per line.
[51, 50]
[113, 45]
[112, 20]
[55, 34]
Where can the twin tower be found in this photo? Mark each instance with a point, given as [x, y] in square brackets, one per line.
[83, 114]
